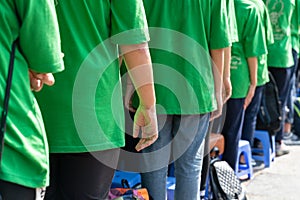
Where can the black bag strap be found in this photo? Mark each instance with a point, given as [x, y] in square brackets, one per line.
[6, 97]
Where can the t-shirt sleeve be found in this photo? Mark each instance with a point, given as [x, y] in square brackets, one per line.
[39, 35]
[268, 25]
[220, 33]
[232, 21]
[128, 22]
[295, 27]
[253, 35]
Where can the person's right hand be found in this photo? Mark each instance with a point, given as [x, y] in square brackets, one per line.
[227, 89]
[128, 94]
[146, 120]
[37, 80]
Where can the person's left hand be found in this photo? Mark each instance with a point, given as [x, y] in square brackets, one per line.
[37, 80]
[227, 89]
[145, 119]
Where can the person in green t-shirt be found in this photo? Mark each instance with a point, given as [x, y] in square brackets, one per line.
[280, 56]
[182, 39]
[83, 112]
[287, 130]
[243, 74]
[252, 110]
[24, 167]
[214, 125]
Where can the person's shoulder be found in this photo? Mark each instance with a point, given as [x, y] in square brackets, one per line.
[246, 5]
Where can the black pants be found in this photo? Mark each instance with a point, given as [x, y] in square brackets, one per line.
[12, 191]
[80, 176]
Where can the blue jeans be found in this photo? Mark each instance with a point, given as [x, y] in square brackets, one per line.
[232, 129]
[184, 134]
[251, 112]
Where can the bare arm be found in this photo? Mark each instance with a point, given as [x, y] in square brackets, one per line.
[226, 74]
[217, 56]
[138, 62]
[252, 64]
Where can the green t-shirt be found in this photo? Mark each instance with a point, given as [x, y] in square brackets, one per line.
[25, 153]
[262, 71]
[221, 32]
[296, 26]
[182, 32]
[85, 111]
[251, 44]
[232, 20]
[280, 13]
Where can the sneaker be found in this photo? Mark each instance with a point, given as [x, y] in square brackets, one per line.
[294, 140]
[287, 136]
[281, 149]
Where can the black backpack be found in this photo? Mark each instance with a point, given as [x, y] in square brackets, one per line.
[224, 183]
[269, 115]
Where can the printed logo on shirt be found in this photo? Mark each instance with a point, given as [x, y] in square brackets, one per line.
[235, 62]
[276, 8]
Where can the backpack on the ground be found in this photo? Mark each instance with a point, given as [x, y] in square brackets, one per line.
[269, 115]
[224, 183]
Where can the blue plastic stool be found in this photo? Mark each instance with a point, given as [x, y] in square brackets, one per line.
[171, 182]
[132, 178]
[267, 153]
[241, 170]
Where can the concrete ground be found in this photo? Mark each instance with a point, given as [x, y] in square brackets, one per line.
[279, 182]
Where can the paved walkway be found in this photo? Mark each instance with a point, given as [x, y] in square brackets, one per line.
[279, 182]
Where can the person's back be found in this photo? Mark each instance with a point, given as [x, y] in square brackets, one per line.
[243, 74]
[249, 124]
[25, 151]
[182, 34]
[281, 15]
[280, 57]
[84, 117]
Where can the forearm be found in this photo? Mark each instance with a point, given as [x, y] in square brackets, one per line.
[139, 65]
[253, 64]
[217, 56]
[227, 61]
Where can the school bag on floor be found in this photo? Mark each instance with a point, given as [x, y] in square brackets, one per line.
[128, 193]
[224, 183]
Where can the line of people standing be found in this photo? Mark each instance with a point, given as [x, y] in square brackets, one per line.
[191, 45]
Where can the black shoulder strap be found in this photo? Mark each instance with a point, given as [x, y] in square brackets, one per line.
[6, 97]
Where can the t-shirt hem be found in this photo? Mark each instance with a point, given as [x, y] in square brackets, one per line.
[86, 148]
[49, 68]
[25, 181]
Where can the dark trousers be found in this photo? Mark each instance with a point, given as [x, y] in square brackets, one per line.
[232, 129]
[251, 115]
[282, 77]
[12, 191]
[79, 176]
